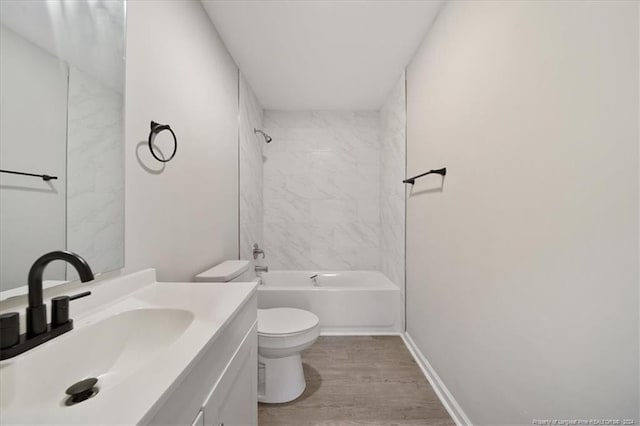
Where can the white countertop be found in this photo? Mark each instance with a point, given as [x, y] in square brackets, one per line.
[32, 385]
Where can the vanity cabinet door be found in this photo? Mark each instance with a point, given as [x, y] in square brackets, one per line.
[234, 400]
[199, 421]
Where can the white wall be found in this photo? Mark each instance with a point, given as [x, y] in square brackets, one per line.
[183, 217]
[522, 272]
[251, 172]
[33, 113]
[321, 190]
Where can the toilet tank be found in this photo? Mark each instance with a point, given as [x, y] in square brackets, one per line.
[227, 271]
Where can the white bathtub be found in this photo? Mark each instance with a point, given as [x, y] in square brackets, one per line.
[347, 302]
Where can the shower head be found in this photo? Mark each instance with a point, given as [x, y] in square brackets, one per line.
[267, 138]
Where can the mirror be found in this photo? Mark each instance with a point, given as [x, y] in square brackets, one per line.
[62, 75]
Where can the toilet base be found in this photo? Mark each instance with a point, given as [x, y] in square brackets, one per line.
[280, 379]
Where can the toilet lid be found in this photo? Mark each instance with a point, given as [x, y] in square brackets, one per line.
[279, 321]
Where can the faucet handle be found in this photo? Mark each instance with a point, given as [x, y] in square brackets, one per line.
[80, 295]
[257, 251]
[9, 329]
[60, 308]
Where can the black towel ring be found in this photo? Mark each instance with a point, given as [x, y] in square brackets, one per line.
[155, 129]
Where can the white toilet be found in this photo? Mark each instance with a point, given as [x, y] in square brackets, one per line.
[282, 334]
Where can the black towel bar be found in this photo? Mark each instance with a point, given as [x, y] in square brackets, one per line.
[441, 172]
[44, 177]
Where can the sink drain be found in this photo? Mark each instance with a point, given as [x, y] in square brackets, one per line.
[81, 391]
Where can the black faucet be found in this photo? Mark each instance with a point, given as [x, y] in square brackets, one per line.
[37, 310]
[38, 332]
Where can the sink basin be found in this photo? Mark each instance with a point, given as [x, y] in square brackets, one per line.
[109, 349]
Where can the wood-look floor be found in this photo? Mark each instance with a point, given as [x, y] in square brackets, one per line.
[359, 380]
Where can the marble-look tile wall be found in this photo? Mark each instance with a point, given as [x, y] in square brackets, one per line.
[251, 175]
[322, 190]
[392, 191]
[95, 173]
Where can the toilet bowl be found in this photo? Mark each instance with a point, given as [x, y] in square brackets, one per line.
[283, 333]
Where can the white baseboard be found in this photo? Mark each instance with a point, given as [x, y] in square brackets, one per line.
[392, 330]
[359, 333]
[447, 399]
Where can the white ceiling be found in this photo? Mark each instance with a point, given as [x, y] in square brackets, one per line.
[319, 55]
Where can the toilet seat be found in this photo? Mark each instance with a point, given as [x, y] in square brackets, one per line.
[275, 322]
[286, 331]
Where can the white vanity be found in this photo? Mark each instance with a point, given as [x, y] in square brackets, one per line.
[163, 353]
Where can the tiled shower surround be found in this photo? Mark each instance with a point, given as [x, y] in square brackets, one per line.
[327, 193]
[322, 190]
[95, 183]
[251, 172]
[392, 191]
